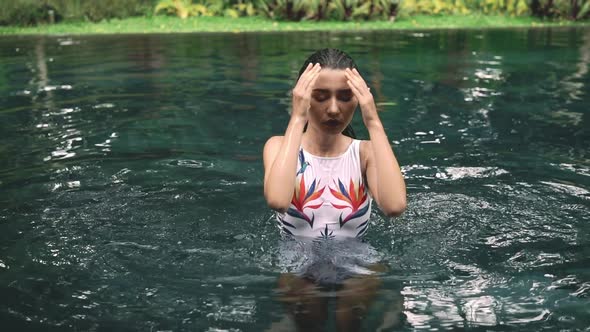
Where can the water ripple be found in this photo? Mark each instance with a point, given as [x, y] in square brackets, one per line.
[148, 207]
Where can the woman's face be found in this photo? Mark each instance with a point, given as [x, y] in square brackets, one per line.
[332, 101]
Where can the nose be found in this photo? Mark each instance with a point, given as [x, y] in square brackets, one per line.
[333, 107]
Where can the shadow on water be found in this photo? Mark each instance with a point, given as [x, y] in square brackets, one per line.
[131, 181]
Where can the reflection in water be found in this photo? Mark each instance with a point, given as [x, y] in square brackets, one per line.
[571, 84]
[334, 276]
[131, 181]
[58, 126]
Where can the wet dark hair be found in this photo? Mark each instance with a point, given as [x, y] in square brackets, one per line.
[333, 59]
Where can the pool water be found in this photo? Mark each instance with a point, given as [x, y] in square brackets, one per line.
[131, 179]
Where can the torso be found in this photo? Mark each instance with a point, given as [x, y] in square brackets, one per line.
[331, 198]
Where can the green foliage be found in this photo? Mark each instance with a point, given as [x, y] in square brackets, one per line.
[430, 7]
[296, 10]
[511, 7]
[344, 10]
[106, 9]
[436, 7]
[571, 9]
[33, 12]
[180, 8]
[24, 12]
[187, 8]
[292, 10]
[376, 9]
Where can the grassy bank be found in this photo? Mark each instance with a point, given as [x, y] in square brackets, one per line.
[165, 24]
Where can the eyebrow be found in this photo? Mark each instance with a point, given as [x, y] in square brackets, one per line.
[327, 90]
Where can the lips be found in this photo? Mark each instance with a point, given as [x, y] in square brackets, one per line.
[332, 123]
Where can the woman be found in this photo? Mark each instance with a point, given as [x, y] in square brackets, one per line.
[321, 181]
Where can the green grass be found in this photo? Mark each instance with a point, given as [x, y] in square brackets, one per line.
[165, 24]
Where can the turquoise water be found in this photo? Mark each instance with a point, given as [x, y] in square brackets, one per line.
[131, 179]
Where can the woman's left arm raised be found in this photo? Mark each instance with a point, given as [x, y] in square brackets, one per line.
[383, 173]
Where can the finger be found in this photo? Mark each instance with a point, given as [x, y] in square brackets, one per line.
[350, 76]
[355, 83]
[351, 83]
[361, 84]
[358, 79]
[307, 69]
[305, 73]
[355, 89]
[312, 76]
[313, 80]
[306, 76]
[356, 72]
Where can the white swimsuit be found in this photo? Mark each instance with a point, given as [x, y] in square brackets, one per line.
[330, 199]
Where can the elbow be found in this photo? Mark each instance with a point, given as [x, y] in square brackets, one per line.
[278, 205]
[395, 209]
[277, 201]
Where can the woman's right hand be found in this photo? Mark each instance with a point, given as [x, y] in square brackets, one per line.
[302, 91]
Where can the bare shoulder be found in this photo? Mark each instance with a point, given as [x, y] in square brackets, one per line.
[271, 148]
[365, 152]
[365, 149]
[273, 143]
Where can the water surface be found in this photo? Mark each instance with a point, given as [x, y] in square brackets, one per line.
[131, 179]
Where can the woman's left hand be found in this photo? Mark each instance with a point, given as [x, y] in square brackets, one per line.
[363, 94]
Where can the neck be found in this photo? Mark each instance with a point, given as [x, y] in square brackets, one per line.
[323, 144]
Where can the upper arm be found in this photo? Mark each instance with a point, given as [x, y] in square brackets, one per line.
[271, 149]
[369, 169]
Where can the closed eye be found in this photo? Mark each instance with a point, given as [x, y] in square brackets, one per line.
[320, 95]
[344, 95]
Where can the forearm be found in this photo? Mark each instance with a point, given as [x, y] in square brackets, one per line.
[391, 188]
[281, 178]
[387, 182]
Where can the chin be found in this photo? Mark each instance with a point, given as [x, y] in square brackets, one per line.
[337, 131]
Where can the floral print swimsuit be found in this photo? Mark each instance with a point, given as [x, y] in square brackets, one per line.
[330, 199]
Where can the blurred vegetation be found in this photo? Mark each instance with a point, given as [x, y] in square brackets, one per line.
[290, 10]
[172, 24]
[186, 8]
[33, 12]
[343, 10]
[297, 10]
[564, 9]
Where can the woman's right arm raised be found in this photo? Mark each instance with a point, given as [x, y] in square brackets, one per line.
[281, 152]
